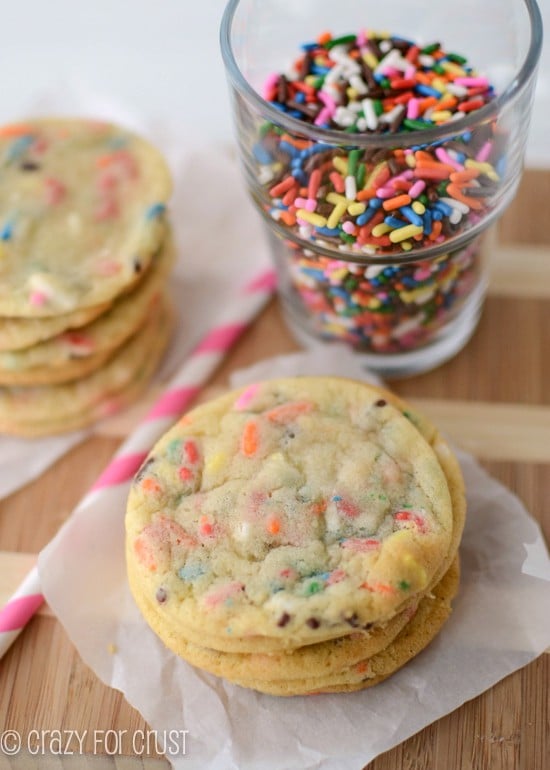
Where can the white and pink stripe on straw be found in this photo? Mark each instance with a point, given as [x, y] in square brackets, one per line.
[183, 388]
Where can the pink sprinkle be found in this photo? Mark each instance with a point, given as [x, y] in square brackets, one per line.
[392, 72]
[222, 594]
[246, 397]
[361, 39]
[336, 576]
[349, 228]
[444, 157]
[410, 73]
[38, 298]
[472, 82]
[483, 154]
[413, 109]
[108, 267]
[270, 84]
[385, 192]
[328, 101]
[422, 274]
[360, 544]
[54, 191]
[347, 508]
[417, 189]
[323, 116]
[416, 518]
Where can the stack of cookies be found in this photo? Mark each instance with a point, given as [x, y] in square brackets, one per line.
[84, 254]
[297, 536]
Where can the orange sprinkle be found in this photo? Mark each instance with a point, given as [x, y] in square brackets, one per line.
[447, 103]
[395, 203]
[456, 193]
[249, 441]
[14, 130]
[273, 525]
[379, 588]
[288, 412]
[300, 144]
[436, 231]
[288, 217]
[143, 552]
[362, 667]
[317, 509]
[324, 37]
[425, 104]
[150, 485]
[366, 195]
[459, 177]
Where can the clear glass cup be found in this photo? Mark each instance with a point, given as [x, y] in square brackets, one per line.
[405, 296]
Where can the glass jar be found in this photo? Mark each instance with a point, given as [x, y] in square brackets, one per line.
[378, 236]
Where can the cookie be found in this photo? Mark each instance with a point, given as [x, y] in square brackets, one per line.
[290, 512]
[20, 333]
[82, 207]
[45, 410]
[72, 354]
[432, 613]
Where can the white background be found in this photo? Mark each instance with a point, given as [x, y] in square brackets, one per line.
[160, 59]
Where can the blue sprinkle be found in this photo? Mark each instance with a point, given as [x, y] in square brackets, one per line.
[300, 97]
[191, 572]
[394, 222]
[279, 106]
[262, 155]
[445, 209]
[18, 147]
[437, 216]
[466, 136]
[7, 231]
[309, 46]
[365, 217]
[427, 220]
[313, 272]
[318, 70]
[296, 114]
[289, 149]
[379, 77]
[375, 203]
[412, 216]
[336, 498]
[327, 230]
[156, 210]
[427, 91]
[461, 157]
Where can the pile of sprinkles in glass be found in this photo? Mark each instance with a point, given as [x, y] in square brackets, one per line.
[385, 200]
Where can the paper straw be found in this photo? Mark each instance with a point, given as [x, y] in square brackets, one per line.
[183, 388]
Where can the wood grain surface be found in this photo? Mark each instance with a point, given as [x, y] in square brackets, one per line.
[493, 399]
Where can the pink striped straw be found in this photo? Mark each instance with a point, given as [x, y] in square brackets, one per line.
[183, 388]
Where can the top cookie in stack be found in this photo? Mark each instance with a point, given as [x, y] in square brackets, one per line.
[297, 536]
[84, 252]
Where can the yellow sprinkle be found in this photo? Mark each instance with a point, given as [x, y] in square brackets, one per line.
[373, 304]
[409, 231]
[410, 160]
[381, 229]
[339, 275]
[352, 94]
[310, 79]
[406, 245]
[309, 216]
[215, 462]
[439, 84]
[370, 59]
[354, 209]
[485, 168]
[415, 570]
[112, 649]
[452, 68]
[337, 214]
[441, 115]
[341, 165]
[418, 208]
[335, 198]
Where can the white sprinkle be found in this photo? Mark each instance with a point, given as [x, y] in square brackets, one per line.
[362, 124]
[425, 60]
[370, 114]
[456, 90]
[385, 46]
[387, 117]
[344, 117]
[359, 84]
[351, 188]
[454, 204]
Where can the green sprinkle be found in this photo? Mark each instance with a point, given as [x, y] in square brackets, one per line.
[353, 160]
[347, 238]
[344, 40]
[318, 82]
[457, 58]
[415, 125]
[378, 107]
[404, 585]
[265, 128]
[361, 176]
[313, 588]
[442, 189]
[424, 199]
[429, 49]
[439, 69]
[351, 129]
[385, 83]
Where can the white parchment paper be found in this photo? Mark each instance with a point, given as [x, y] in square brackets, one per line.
[500, 622]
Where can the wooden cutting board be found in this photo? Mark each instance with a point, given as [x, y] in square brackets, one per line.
[493, 399]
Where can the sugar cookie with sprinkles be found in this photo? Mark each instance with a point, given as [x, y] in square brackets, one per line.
[288, 514]
[49, 409]
[74, 354]
[82, 212]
